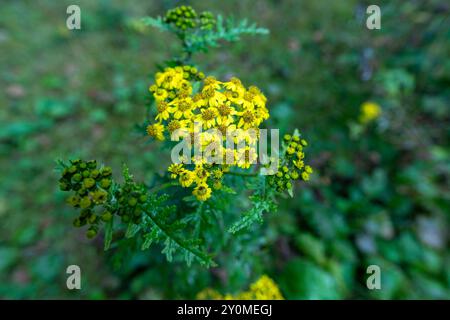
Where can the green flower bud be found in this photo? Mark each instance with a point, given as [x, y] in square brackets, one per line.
[92, 164]
[83, 165]
[88, 183]
[100, 196]
[63, 186]
[77, 222]
[72, 169]
[106, 171]
[287, 137]
[92, 218]
[143, 198]
[91, 233]
[106, 216]
[95, 173]
[132, 202]
[73, 200]
[105, 183]
[86, 174]
[85, 202]
[82, 192]
[77, 177]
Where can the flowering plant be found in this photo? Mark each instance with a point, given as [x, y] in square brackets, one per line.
[205, 116]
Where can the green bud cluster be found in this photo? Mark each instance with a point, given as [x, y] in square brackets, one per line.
[90, 188]
[191, 73]
[207, 20]
[185, 17]
[131, 198]
[291, 166]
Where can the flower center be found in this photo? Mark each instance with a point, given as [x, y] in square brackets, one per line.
[209, 93]
[208, 114]
[209, 81]
[173, 125]
[248, 96]
[224, 110]
[162, 106]
[183, 106]
[248, 117]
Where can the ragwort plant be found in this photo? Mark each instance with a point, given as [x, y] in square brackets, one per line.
[194, 210]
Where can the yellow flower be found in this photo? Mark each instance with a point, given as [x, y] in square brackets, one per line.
[200, 174]
[156, 131]
[186, 178]
[305, 176]
[265, 289]
[225, 114]
[174, 125]
[262, 289]
[202, 192]
[211, 82]
[247, 120]
[247, 100]
[182, 108]
[299, 164]
[163, 111]
[369, 112]
[259, 99]
[217, 174]
[213, 97]
[207, 117]
[246, 157]
[160, 94]
[170, 78]
[235, 85]
[175, 170]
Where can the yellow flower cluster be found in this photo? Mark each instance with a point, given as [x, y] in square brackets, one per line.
[292, 165]
[369, 112]
[206, 117]
[263, 289]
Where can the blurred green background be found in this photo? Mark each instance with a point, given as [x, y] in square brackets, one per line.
[380, 194]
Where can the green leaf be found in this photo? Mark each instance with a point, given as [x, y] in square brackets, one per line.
[304, 280]
[254, 214]
[149, 238]
[132, 229]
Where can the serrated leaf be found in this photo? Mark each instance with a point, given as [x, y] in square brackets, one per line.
[132, 229]
[253, 215]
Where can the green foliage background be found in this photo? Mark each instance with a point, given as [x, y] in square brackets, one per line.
[379, 195]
